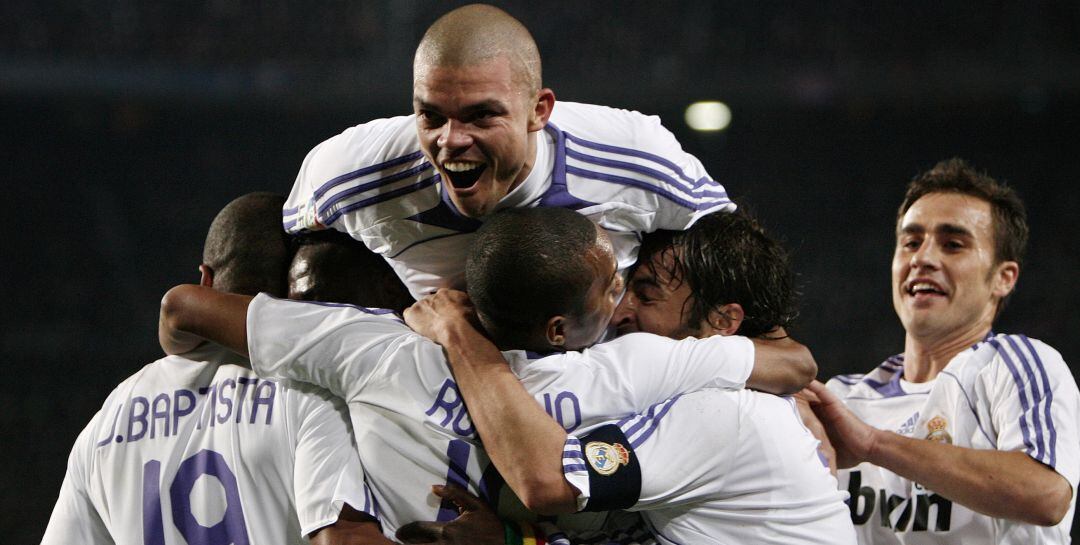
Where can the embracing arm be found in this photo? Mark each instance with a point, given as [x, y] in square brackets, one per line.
[1001, 484]
[193, 314]
[781, 365]
[505, 415]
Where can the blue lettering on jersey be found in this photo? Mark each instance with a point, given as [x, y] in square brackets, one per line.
[895, 511]
[454, 417]
[215, 404]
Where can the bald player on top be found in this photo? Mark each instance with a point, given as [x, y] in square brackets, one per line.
[486, 135]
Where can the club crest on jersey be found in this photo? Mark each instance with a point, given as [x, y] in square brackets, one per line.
[606, 458]
[935, 431]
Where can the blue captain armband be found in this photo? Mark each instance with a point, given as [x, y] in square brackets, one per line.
[612, 465]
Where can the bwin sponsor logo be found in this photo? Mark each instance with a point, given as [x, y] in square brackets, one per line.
[920, 513]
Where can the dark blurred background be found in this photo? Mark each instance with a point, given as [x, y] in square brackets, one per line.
[128, 124]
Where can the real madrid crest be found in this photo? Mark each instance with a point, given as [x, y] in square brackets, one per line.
[606, 458]
[935, 431]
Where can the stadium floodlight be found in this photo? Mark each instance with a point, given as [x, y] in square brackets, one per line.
[708, 116]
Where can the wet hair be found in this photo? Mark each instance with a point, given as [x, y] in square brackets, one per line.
[247, 248]
[477, 33]
[956, 176]
[728, 258]
[527, 265]
[341, 269]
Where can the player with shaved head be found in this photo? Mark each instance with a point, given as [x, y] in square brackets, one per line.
[485, 135]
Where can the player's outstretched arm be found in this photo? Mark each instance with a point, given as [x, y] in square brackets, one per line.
[505, 415]
[781, 365]
[352, 528]
[1000, 484]
[193, 314]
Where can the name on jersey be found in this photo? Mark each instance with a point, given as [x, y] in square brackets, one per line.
[247, 400]
[924, 511]
[448, 411]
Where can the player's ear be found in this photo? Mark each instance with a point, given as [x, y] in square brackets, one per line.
[726, 319]
[206, 276]
[542, 107]
[1004, 279]
[555, 331]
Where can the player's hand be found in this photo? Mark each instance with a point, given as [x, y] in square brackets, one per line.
[476, 524]
[442, 314]
[852, 438]
[803, 398]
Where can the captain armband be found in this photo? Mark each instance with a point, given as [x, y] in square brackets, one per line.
[614, 472]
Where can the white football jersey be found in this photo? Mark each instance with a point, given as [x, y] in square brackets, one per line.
[620, 168]
[191, 450]
[722, 466]
[411, 426]
[1009, 393]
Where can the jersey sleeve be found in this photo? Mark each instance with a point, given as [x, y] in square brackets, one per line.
[634, 170]
[336, 347]
[635, 371]
[74, 518]
[342, 176]
[651, 460]
[1034, 402]
[328, 472]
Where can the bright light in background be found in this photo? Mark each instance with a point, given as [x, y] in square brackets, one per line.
[708, 116]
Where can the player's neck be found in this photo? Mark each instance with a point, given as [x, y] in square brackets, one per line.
[530, 163]
[925, 357]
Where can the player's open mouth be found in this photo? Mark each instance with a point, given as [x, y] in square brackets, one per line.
[463, 174]
[922, 289]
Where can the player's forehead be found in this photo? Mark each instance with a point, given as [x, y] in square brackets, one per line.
[947, 213]
[659, 269]
[461, 84]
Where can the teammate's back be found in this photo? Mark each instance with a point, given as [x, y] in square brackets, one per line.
[198, 449]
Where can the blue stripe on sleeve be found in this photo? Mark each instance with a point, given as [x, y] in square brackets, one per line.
[1049, 396]
[380, 198]
[1019, 390]
[372, 185]
[715, 192]
[621, 180]
[321, 190]
[693, 184]
[1036, 397]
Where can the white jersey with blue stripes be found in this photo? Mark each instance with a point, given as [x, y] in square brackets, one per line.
[194, 450]
[722, 466]
[411, 425]
[1009, 393]
[620, 168]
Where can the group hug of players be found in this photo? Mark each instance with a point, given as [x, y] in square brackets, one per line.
[306, 396]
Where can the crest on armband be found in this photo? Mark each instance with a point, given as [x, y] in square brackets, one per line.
[606, 458]
[936, 431]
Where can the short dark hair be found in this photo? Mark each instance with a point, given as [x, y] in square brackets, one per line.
[957, 176]
[343, 270]
[247, 248]
[527, 265]
[728, 258]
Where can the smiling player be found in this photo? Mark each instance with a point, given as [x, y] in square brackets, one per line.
[486, 135]
[974, 435]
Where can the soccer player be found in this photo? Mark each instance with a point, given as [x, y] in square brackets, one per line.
[968, 435]
[198, 449]
[712, 466]
[332, 267]
[411, 425]
[486, 135]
